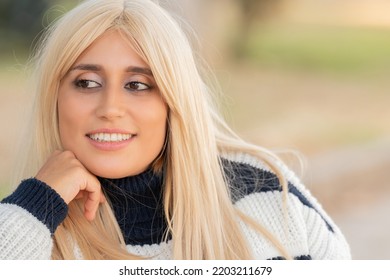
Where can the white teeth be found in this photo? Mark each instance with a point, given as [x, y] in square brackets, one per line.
[114, 137]
[109, 137]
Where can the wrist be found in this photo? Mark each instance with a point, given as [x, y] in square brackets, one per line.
[41, 201]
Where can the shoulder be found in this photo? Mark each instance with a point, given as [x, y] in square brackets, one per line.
[248, 176]
[257, 192]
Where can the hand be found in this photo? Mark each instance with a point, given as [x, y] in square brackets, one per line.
[71, 180]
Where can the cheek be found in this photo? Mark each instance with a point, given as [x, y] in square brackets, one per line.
[160, 130]
[70, 117]
[158, 118]
[153, 119]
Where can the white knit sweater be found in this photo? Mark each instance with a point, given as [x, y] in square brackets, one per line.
[311, 234]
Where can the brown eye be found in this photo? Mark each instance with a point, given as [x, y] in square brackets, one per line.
[137, 86]
[86, 84]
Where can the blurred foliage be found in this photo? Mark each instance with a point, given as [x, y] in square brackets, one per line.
[252, 11]
[315, 48]
[20, 22]
[330, 49]
[255, 9]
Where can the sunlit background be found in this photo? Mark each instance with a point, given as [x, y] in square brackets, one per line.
[306, 75]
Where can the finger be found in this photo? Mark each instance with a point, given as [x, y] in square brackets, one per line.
[90, 208]
[56, 152]
[79, 195]
[93, 200]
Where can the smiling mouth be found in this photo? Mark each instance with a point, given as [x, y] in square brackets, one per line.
[110, 137]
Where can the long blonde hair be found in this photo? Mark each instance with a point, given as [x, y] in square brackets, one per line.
[202, 220]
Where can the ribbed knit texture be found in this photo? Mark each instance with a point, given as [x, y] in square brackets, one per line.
[41, 201]
[137, 204]
[305, 230]
[22, 236]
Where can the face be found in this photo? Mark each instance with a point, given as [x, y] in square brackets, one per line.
[111, 114]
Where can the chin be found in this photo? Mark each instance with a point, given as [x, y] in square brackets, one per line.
[110, 174]
[115, 173]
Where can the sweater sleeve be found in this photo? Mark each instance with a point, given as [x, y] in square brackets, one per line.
[324, 238]
[299, 223]
[28, 218]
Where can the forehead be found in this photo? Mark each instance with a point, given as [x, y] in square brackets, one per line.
[111, 50]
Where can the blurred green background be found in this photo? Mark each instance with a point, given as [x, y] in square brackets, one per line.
[307, 75]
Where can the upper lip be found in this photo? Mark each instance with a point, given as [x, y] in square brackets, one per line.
[110, 131]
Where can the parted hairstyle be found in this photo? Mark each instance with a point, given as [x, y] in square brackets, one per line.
[203, 222]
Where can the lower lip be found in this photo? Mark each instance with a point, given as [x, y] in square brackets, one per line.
[110, 146]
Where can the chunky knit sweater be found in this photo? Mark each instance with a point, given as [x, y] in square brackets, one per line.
[31, 214]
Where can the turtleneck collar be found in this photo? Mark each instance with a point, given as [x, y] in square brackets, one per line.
[138, 207]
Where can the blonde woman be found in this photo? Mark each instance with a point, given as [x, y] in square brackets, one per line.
[129, 159]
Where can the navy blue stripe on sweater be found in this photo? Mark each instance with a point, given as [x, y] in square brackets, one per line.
[245, 179]
[41, 201]
[300, 258]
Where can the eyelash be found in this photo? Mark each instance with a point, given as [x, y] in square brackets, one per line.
[85, 84]
[129, 86]
[82, 83]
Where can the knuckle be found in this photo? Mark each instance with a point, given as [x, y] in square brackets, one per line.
[68, 154]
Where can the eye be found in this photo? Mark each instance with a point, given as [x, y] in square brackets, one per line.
[137, 86]
[86, 84]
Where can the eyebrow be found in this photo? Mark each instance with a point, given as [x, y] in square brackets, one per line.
[97, 68]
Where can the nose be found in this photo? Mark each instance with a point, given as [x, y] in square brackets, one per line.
[111, 105]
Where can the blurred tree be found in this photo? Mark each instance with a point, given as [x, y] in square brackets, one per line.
[20, 21]
[252, 11]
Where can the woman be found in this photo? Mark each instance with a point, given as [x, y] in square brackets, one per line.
[131, 160]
